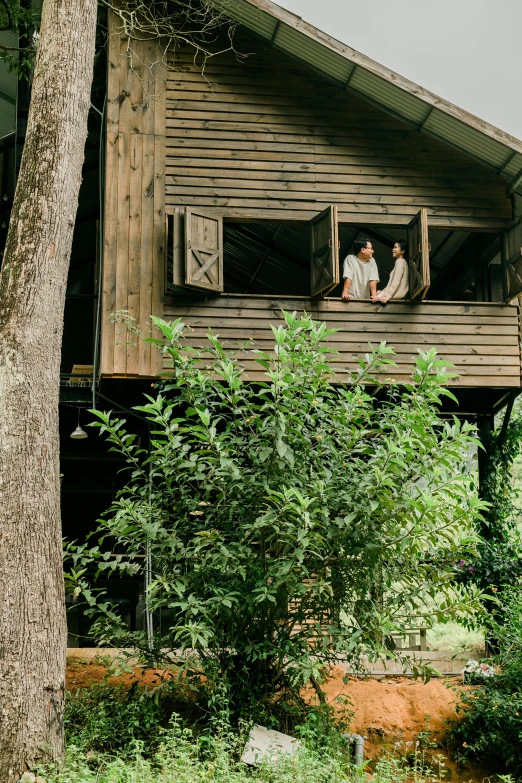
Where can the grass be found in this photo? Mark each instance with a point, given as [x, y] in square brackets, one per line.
[454, 637]
[182, 758]
[117, 735]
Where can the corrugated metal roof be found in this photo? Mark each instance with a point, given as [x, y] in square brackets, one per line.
[393, 93]
[388, 95]
[256, 20]
[472, 141]
[318, 56]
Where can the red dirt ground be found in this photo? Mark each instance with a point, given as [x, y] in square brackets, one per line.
[385, 711]
[394, 708]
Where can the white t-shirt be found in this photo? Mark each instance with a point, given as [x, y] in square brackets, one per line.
[360, 273]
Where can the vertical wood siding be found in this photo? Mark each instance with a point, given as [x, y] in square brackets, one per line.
[134, 231]
[263, 137]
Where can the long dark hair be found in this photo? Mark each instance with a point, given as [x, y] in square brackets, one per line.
[403, 246]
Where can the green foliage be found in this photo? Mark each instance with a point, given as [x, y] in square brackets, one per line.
[290, 523]
[491, 730]
[107, 719]
[17, 18]
[499, 561]
[182, 758]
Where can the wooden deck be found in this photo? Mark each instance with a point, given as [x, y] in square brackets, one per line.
[481, 340]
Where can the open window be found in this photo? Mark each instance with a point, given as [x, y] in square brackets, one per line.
[511, 259]
[295, 258]
[299, 258]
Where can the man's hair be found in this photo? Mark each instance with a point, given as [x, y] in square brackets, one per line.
[359, 244]
[403, 246]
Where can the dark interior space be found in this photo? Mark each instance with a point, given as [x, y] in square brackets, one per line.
[82, 283]
[91, 475]
[274, 259]
[7, 185]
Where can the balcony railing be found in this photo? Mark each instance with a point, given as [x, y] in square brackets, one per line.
[481, 340]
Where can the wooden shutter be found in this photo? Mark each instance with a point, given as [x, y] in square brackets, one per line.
[203, 250]
[418, 255]
[324, 246]
[175, 252]
[511, 255]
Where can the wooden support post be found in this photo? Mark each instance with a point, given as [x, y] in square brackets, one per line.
[485, 425]
[507, 416]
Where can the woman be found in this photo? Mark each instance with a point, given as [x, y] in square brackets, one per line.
[397, 287]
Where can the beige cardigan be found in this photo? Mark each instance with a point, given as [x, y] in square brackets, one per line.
[398, 286]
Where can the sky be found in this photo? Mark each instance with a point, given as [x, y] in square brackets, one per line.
[467, 51]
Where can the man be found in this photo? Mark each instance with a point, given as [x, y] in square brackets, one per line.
[360, 273]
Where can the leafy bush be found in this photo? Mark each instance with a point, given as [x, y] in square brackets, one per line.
[289, 524]
[491, 729]
[109, 718]
[183, 759]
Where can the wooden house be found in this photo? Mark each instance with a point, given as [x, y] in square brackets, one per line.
[235, 190]
[225, 193]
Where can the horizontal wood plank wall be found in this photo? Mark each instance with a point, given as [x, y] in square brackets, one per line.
[263, 137]
[482, 340]
[134, 235]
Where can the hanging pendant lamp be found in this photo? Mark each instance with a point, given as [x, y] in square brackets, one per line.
[79, 433]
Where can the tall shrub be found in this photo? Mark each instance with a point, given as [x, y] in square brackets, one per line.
[290, 523]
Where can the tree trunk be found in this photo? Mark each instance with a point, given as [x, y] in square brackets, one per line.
[32, 295]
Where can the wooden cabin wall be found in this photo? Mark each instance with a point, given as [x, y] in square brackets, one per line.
[263, 137]
[134, 219]
[480, 340]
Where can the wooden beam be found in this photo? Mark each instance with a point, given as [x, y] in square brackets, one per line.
[507, 417]
[426, 117]
[515, 182]
[506, 163]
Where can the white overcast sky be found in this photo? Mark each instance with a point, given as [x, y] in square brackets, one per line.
[467, 51]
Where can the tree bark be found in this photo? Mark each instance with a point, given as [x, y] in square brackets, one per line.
[33, 634]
